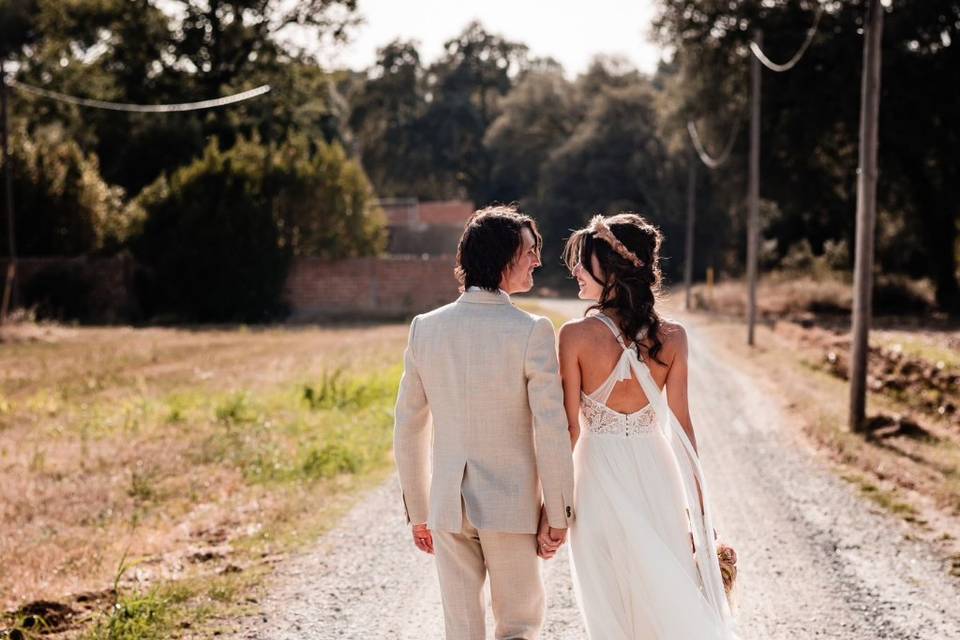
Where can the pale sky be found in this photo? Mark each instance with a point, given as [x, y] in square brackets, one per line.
[570, 31]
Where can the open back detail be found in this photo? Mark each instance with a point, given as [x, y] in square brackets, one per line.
[600, 419]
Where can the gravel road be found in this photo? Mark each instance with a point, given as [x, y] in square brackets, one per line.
[816, 560]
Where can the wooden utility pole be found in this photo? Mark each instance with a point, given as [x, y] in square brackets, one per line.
[10, 280]
[866, 213]
[753, 194]
[691, 225]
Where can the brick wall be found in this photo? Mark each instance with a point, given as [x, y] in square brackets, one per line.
[430, 239]
[390, 286]
[386, 286]
[408, 211]
[449, 212]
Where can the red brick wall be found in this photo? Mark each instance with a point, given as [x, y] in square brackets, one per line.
[451, 212]
[407, 211]
[400, 212]
[387, 286]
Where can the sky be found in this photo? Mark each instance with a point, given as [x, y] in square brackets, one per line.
[570, 31]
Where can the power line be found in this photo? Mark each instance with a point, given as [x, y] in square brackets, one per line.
[141, 108]
[792, 62]
[715, 162]
[9, 284]
[701, 150]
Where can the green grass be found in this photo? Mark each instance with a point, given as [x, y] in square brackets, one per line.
[167, 610]
[313, 430]
[139, 616]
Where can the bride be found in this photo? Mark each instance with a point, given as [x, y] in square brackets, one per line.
[642, 549]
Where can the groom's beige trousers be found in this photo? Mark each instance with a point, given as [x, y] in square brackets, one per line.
[516, 589]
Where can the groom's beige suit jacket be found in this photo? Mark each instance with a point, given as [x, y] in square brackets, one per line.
[480, 415]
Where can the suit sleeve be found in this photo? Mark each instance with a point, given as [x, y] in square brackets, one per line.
[551, 437]
[411, 437]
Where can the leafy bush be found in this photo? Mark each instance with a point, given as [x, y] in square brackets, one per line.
[63, 205]
[800, 259]
[324, 202]
[218, 234]
[209, 243]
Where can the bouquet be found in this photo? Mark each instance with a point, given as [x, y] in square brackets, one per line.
[728, 566]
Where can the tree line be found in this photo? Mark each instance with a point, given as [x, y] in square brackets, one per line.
[487, 121]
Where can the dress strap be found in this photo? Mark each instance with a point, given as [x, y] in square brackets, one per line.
[616, 330]
[613, 327]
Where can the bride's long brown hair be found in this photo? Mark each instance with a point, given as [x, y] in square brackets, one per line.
[629, 291]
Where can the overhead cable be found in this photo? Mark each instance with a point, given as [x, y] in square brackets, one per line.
[141, 108]
[792, 62]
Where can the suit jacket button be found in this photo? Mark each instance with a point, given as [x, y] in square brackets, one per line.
[569, 512]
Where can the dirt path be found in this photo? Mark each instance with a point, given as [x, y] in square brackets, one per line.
[816, 561]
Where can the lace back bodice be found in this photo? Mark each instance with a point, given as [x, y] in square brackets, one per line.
[600, 419]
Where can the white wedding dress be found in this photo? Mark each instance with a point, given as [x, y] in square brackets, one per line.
[637, 501]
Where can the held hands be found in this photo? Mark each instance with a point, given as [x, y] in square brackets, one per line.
[423, 538]
[549, 539]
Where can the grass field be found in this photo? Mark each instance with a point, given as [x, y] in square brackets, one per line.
[150, 477]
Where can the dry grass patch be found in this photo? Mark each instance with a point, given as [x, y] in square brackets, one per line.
[197, 455]
[786, 295]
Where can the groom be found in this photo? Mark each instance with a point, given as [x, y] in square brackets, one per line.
[481, 437]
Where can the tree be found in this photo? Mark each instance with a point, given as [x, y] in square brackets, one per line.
[614, 161]
[536, 117]
[178, 51]
[392, 133]
[224, 40]
[64, 207]
[810, 119]
[209, 244]
[219, 233]
[18, 25]
[920, 168]
[324, 202]
[467, 84]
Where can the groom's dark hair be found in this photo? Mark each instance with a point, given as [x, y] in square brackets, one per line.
[490, 242]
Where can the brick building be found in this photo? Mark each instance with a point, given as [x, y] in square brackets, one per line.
[431, 228]
[414, 276]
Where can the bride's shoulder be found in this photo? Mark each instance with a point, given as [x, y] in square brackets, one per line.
[673, 336]
[580, 330]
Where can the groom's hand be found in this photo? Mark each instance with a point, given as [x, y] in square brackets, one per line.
[548, 538]
[423, 538]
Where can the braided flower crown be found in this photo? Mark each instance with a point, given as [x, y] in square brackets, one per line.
[599, 228]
